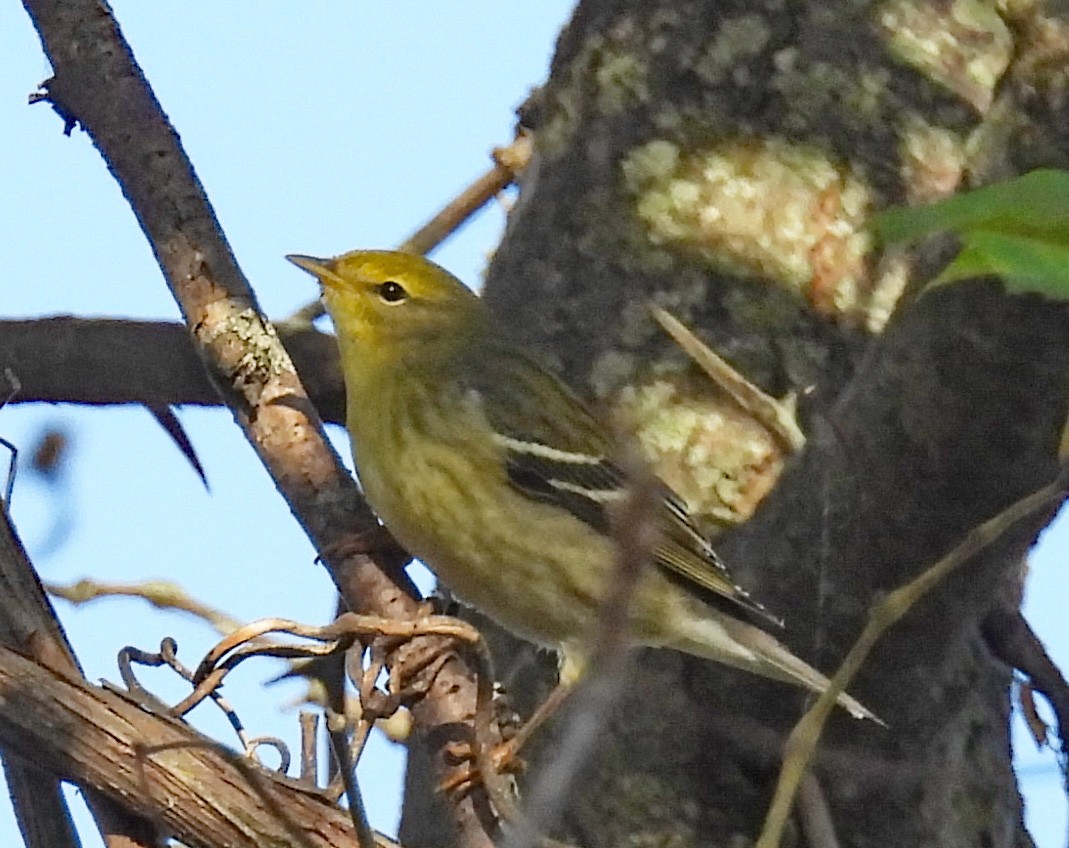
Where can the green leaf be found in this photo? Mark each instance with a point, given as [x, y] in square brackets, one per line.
[1018, 230]
[1026, 264]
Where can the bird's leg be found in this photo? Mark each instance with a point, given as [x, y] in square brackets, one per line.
[505, 757]
[545, 711]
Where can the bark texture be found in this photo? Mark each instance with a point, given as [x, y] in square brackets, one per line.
[925, 415]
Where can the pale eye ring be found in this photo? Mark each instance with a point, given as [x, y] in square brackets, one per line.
[392, 292]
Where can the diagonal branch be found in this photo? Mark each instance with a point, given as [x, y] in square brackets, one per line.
[802, 742]
[98, 85]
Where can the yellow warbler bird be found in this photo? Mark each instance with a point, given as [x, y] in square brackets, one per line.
[486, 467]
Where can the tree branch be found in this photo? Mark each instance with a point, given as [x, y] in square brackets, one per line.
[1013, 641]
[158, 767]
[98, 85]
[802, 742]
[28, 624]
[67, 359]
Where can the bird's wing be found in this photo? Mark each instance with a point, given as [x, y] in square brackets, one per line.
[556, 452]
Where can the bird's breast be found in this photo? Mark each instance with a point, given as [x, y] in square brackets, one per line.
[438, 482]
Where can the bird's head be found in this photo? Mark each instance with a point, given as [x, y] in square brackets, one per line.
[381, 298]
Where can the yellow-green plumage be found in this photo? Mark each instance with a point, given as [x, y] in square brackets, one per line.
[485, 466]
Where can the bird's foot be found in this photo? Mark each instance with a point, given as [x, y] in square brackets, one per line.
[504, 758]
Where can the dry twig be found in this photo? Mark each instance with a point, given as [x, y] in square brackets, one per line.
[341, 635]
[777, 416]
[340, 746]
[509, 162]
[635, 533]
[162, 594]
[802, 741]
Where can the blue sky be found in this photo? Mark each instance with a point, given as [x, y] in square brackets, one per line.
[315, 128]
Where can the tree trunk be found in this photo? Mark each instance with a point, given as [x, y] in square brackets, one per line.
[722, 159]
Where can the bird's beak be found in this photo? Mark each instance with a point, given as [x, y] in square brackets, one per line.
[321, 269]
[313, 265]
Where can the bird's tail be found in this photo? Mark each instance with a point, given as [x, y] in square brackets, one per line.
[762, 654]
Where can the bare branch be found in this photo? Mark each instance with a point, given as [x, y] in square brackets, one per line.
[162, 594]
[802, 742]
[98, 85]
[197, 790]
[508, 163]
[777, 416]
[28, 624]
[339, 744]
[110, 361]
[42, 813]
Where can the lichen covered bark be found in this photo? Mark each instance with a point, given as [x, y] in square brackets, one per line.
[722, 159]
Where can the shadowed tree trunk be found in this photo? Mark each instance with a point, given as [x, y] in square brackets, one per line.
[722, 159]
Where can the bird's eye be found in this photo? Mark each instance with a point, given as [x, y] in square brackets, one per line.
[392, 292]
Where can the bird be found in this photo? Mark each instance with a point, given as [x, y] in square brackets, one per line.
[488, 468]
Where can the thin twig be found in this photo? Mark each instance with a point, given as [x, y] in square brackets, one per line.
[336, 788]
[498, 789]
[342, 633]
[167, 655]
[13, 386]
[815, 816]
[777, 416]
[309, 723]
[162, 594]
[339, 744]
[509, 162]
[803, 739]
[599, 689]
